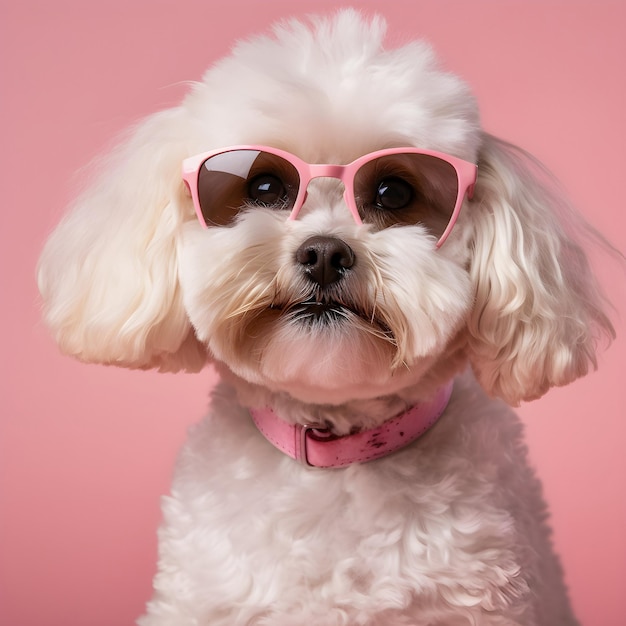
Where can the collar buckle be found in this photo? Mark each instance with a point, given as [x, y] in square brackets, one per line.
[301, 439]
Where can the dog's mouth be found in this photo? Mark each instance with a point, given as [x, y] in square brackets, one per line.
[319, 310]
[314, 311]
[331, 312]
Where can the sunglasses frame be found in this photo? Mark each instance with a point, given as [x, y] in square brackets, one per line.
[466, 173]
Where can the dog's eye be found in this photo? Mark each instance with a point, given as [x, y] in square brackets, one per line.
[267, 190]
[393, 193]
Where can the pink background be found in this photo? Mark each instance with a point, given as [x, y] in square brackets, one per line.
[87, 450]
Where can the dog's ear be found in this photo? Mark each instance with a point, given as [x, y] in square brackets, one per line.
[538, 312]
[108, 274]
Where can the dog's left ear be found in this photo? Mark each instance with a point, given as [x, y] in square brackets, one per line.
[538, 313]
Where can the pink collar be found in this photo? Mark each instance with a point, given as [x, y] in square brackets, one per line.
[313, 445]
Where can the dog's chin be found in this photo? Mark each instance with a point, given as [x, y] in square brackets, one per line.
[315, 351]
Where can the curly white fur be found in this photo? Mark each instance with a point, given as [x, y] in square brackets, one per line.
[452, 529]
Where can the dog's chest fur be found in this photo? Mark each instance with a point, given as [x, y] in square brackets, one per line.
[252, 537]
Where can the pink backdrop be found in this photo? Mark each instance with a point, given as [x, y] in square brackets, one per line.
[86, 450]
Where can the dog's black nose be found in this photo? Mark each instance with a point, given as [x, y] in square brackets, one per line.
[325, 259]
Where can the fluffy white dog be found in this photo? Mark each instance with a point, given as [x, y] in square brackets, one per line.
[339, 302]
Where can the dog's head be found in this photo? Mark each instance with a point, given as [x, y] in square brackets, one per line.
[358, 294]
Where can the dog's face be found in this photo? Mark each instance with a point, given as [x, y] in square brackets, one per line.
[322, 303]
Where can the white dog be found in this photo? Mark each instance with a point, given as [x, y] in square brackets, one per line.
[339, 302]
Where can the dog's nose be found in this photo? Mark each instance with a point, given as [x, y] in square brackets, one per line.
[325, 259]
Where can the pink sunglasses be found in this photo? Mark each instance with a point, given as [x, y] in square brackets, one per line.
[393, 187]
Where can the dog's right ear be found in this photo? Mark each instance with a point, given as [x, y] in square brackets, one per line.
[108, 274]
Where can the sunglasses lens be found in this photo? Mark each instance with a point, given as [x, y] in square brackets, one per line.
[233, 181]
[407, 189]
